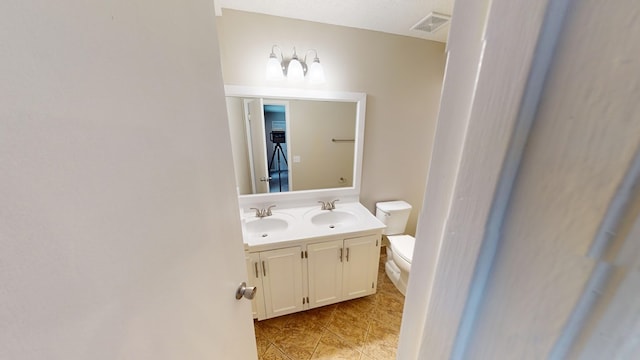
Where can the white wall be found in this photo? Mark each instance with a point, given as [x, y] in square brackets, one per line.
[582, 144]
[463, 64]
[111, 203]
[548, 294]
[402, 77]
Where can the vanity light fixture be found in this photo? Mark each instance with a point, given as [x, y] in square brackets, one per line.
[294, 69]
[316, 71]
[274, 67]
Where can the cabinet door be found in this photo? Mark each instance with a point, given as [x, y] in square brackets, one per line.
[282, 280]
[254, 278]
[361, 266]
[325, 272]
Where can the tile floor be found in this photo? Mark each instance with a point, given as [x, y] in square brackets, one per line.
[365, 328]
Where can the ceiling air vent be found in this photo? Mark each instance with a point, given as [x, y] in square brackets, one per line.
[431, 23]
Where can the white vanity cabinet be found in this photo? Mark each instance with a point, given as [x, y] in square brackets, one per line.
[315, 273]
[325, 268]
[303, 257]
[342, 269]
[278, 274]
[255, 279]
[362, 256]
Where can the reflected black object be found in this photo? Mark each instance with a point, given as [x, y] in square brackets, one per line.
[278, 137]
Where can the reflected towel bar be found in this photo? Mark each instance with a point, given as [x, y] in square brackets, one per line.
[343, 140]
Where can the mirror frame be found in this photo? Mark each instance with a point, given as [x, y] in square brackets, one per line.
[360, 99]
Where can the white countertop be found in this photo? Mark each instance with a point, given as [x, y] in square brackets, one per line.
[299, 225]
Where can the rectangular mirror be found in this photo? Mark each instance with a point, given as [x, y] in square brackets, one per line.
[288, 142]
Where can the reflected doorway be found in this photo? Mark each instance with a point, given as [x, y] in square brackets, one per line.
[275, 126]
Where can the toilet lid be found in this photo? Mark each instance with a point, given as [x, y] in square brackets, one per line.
[403, 246]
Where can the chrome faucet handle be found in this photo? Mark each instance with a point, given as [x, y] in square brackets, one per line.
[333, 203]
[324, 205]
[258, 211]
[268, 212]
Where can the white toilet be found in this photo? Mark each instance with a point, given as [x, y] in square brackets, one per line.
[395, 214]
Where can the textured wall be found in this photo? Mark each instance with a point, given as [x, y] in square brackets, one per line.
[581, 147]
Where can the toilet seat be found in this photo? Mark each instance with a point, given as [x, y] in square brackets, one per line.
[402, 245]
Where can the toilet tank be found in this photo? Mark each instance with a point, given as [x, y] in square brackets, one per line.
[394, 214]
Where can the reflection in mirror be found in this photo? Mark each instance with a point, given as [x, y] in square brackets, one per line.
[317, 136]
[295, 141]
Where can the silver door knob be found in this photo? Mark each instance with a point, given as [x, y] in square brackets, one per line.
[265, 178]
[247, 291]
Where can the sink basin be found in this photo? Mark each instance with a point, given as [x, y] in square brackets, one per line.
[292, 224]
[265, 226]
[333, 218]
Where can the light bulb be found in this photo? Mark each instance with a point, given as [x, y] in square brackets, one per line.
[316, 72]
[274, 68]
[295, 71]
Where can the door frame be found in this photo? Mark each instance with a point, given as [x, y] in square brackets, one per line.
[250, 136]
[287, 118]
[247, 129]
[488, 104]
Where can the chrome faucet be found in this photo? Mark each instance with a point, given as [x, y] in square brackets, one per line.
[328, 205]
[263, 212]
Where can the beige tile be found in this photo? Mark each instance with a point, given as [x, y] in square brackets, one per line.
[388, 317]
[366, 357]
[320, 316]
[392, 302]
[269, 331]
[381, 332]
[303, 324]
[332, 347]
[298, 353]
[360, 320]
[381, 342]
[277, 322]
[360, 304]
[273, 353]
[387, 287]
[346, 331]
[262, 343]
[299, 341]
[379, 351]
[358, 309]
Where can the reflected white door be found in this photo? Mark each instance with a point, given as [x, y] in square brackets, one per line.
[258, 146]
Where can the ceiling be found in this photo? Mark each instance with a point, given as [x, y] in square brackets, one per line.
[389, 16]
